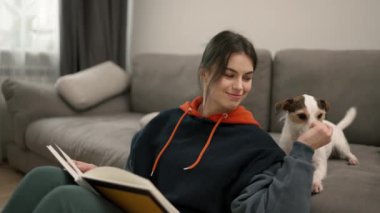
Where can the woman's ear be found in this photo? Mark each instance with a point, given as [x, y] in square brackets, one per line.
[204, 75]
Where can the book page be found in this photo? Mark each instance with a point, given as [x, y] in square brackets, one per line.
[63, 162]
[70, 167]
[112, 174]
[70, 161]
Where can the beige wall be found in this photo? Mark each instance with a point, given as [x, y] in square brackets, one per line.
[184, 26]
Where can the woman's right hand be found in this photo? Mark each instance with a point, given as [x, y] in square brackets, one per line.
[83, 166]
[317, 136]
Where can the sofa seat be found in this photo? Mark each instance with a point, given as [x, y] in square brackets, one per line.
[345, 186]
[79, 136]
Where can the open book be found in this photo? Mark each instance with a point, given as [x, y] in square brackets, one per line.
[123, 188]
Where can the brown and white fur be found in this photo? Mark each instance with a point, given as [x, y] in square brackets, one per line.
[300, 112]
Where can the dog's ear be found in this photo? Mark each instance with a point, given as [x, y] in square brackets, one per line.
[284, 105]
[324, 105]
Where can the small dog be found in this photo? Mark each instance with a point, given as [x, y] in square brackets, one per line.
[300, 112]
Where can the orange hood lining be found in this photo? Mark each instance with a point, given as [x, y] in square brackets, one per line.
[240, 115]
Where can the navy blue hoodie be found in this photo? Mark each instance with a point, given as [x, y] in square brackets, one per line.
[201, 164]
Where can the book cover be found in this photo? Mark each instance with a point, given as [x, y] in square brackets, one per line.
[123, 188]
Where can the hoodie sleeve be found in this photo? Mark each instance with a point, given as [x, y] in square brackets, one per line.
[130, 161]
[140, 157]
[284, 187]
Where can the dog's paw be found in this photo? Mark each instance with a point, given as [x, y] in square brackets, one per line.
[352, 160]
[317, 187]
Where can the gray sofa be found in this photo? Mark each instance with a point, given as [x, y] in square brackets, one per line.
[102, 134]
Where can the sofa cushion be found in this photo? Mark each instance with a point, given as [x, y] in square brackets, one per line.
[344, 78]
[147, 118]
[351, 189]
[162, 82]
[258, 100]
[102, 140]
[93, 85]
[28, 101]
[24, 100]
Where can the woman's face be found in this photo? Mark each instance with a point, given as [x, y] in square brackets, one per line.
[231, 89]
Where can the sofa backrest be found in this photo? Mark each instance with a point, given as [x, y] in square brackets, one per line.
[343, 78]
[258, 100]
[164, 81]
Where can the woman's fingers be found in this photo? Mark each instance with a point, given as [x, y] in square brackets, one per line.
[83, 166]
[318, 135]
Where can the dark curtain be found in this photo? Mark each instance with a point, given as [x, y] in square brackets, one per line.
[92, 31]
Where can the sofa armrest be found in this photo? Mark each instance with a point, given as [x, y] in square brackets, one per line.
[5, 125]
[28, 102]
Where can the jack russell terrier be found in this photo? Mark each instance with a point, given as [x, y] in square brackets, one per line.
[300, 112]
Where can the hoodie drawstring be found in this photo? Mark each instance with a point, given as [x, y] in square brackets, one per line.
[169, 141]
[192, 166]
[224, 116]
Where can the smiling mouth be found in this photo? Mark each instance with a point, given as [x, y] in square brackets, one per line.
[234, 96]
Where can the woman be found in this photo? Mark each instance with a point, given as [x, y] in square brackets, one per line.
[208, 155]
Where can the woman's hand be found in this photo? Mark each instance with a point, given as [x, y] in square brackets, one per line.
[83, 166]
[317, 136]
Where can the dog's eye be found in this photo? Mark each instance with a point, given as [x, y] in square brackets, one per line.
[302, 116]
[320, 116]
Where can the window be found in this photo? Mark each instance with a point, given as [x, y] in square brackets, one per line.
[29, 38]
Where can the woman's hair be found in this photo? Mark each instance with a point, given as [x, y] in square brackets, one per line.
[218, 51]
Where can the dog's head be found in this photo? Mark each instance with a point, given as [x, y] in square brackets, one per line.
[303, 110]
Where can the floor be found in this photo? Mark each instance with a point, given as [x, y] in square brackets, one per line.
[9, 178]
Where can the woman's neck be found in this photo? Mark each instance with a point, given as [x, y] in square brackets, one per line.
[207, 111]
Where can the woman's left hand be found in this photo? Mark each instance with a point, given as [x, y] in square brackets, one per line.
[83, 166]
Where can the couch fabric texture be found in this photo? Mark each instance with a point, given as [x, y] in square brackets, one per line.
[93, 85]
[102, 133]
[344, 78]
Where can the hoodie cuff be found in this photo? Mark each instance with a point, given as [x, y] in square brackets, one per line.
[302, 151]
